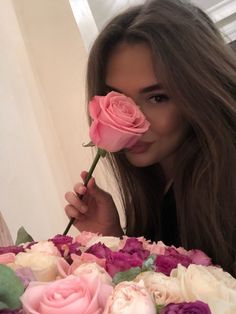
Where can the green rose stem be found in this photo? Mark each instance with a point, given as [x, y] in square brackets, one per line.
[100, 153]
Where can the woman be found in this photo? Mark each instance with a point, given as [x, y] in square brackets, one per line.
[178, 183]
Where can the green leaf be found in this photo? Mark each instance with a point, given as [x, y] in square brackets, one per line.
[3, 306]
[148, 264]
[127, 275]
[11, 288]
[90, 144]
[159, 307]
[23, 236]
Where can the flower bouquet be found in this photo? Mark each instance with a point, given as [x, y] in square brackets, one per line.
[92, 274]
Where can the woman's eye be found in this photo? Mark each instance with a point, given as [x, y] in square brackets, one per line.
[158, 99]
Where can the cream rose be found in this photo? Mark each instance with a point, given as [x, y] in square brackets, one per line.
[164, 289]
[46, 247]
[130, 298]
[112, 243]
[43, 266]
[208, 284]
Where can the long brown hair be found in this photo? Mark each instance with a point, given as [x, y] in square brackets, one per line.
[199, 72]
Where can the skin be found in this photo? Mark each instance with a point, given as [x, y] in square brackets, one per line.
[130, 71]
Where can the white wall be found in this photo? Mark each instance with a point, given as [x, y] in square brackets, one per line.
[41, 69]
[42, 114]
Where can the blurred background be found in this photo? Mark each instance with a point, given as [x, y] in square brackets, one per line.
[43, 55]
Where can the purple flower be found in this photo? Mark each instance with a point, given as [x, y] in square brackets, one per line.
[11, 249]
[165, 263]
[26, 275]
[133, 245]
[197, 307]
[120, 261]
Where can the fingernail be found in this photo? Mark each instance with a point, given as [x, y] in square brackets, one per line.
[81, 190]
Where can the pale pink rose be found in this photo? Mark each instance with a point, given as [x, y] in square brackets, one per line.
[200, 258]
[158, 248]
[86, 258]
[65, 269]
[130, 297]
[181, 250]
[84, 237]
[72, 295]
[164, 289]
[7, 258]
[93, 269]
[117, 122]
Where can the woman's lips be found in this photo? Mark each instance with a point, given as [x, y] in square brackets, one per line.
[140, 147]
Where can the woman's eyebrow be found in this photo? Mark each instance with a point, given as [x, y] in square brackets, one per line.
[151, 88]
[141, 91]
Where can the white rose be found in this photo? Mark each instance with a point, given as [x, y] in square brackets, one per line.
[130, 297]
[44, 267]
[164, 289]
[209, 284]
[93, 269]
[46, 247]
[111, 242]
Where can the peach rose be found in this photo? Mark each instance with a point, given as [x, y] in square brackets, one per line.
[130, 298]
[164, 289]
[117, 122]
[85, 294]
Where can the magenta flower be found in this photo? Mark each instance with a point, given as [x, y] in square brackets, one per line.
[165, 263]
[100, 250]
[121, 261]
[197, 307]
[133, 245]
[11, 249]
[66, 246]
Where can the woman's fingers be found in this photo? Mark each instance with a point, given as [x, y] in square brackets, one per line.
[75, 202]
[71, 212]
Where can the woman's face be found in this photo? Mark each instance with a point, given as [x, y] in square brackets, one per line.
[130, 71]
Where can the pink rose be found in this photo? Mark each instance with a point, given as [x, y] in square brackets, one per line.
[117, 122]
[200, 258]
[84, 237]
[85, 294]
[7, 258]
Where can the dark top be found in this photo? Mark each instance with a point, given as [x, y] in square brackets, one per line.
[169, 226]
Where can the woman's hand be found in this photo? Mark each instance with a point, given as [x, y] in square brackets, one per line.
[96, 212]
